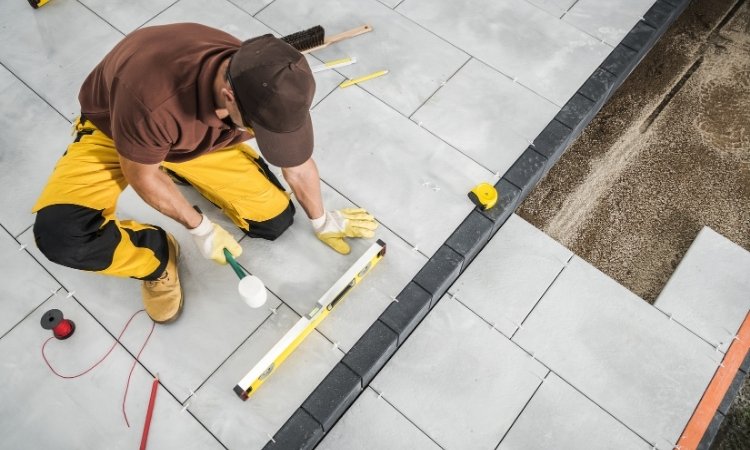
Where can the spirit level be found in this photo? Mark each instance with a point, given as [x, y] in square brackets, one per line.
[279, 352]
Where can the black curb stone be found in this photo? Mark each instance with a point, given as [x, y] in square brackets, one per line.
[440, 272]
[471, 236]
[577, 113]
[403, 316]
[554, 136]
[640, 36]
[372, 351]
[659, 14]
[346, 381]
[679, 3]
[333, 396]
[527, 170]
[509, 198]
[621, 61]
[599, 86]
[301, 431]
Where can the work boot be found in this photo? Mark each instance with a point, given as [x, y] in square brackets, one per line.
[162, 298]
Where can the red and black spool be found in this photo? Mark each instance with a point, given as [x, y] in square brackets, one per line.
[61, 327]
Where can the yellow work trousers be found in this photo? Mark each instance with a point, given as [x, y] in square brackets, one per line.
[76, 224]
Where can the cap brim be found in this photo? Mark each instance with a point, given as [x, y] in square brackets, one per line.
[288, 149]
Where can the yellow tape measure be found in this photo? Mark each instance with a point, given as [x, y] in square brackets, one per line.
[484, 195]
[37, 3]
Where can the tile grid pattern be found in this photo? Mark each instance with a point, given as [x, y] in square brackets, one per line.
[89, 316]
[71, 294]
[81, 303]
[234, 349]
[552, 371]
[307, 426]
[476, 221]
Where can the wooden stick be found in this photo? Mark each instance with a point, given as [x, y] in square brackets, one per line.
[354, 81]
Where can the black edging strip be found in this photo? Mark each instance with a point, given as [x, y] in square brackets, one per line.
[340, 388]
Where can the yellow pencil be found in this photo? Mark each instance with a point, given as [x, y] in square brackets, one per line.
[354, 81]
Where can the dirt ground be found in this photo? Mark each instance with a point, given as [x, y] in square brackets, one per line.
[668, 154]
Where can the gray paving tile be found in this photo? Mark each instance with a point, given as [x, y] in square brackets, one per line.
[608, 20]
[555, 7]
[372, 423]
[458, 380]
[560, 417]
[127, 16]
[391, 3]
[418, 60]
[522, 41]
[41, 410]
[250, 423]
[220, 14]
[214, 320]
[299, 269]
[645, 370]
[387, 164]
[53, 49]
[27, 156]
[251, 6]
[708, 293]
[486, 115]
[25, 283]
[510, 275]
[230, 18]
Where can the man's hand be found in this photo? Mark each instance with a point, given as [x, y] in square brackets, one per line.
[212, 239]
[334, 226]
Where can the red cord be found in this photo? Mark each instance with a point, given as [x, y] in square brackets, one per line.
[125, 396]
[127, 385]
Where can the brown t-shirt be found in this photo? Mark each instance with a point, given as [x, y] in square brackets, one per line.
[153, 93]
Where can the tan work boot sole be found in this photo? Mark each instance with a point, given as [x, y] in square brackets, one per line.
[173, 272]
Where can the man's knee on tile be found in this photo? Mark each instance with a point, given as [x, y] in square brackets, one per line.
[272, 228]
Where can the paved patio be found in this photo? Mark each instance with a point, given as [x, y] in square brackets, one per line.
[531, 347]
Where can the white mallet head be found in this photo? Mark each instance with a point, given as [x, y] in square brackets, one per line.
[252, 291]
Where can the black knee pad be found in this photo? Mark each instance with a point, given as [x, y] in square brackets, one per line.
[73, 236]
[272, 228]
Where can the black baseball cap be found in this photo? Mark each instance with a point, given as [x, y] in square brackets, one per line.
[274, 88]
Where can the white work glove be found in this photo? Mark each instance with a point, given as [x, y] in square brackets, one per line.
[212, 239]
[334, 226]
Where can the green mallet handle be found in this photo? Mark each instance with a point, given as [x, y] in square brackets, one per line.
[237, 269]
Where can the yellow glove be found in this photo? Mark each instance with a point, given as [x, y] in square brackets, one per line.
[334, 226]
[212, 239]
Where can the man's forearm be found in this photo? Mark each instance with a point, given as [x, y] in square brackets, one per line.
[162, 194]
[304, 181]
